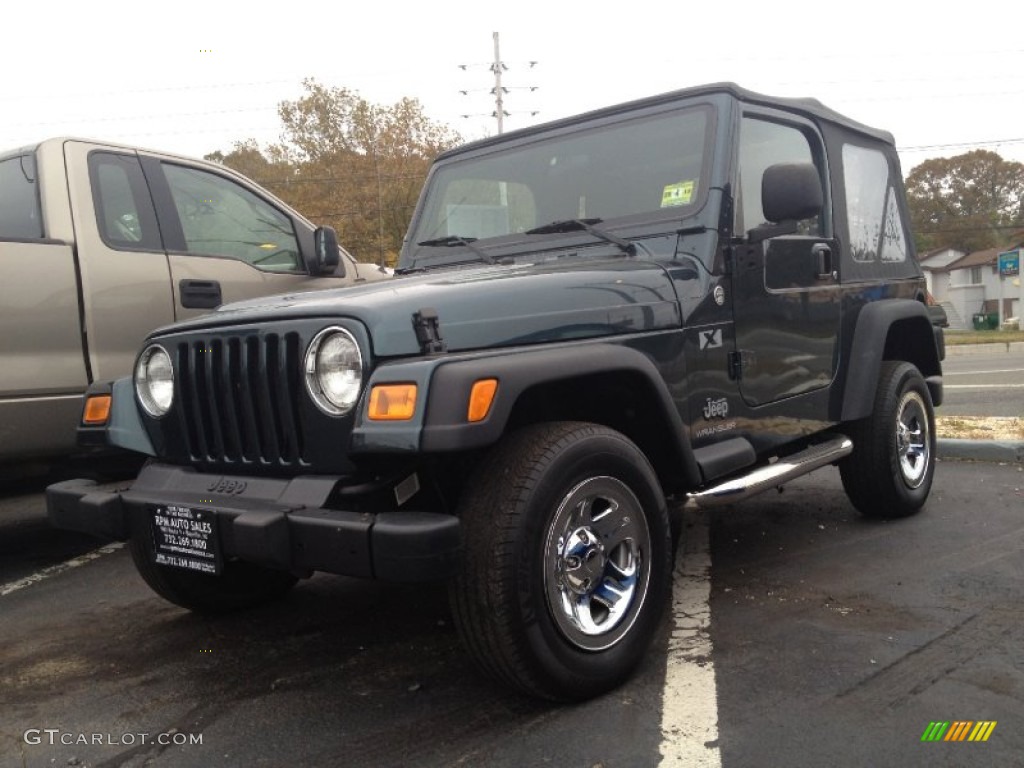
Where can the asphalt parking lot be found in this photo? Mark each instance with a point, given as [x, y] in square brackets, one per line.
[832, 641]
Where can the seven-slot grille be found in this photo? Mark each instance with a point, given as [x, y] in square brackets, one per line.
[240, 399]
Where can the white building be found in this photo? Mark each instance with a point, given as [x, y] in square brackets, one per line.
[970, 284]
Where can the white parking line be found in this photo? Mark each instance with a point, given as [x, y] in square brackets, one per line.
[983, 386]
[53, 570]
[981, 373]
[689, 713]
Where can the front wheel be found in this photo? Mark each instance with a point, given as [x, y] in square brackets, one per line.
[567, 560]
[889, 474]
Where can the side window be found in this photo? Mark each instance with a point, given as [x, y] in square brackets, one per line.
[764, 143]
[19, 201]
[873, 213]
[124, 209]
[222, 218]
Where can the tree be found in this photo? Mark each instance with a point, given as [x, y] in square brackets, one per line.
[349, 163]
[970, 202]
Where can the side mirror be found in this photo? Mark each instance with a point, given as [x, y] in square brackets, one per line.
[326, 256]
[791, 192]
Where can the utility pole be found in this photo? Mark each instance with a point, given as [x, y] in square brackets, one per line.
[499, 91]
[496, 68]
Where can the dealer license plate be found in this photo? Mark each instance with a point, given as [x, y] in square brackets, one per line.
[186, 537]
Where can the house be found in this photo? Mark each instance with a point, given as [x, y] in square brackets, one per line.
[970, 284]
[934, 265]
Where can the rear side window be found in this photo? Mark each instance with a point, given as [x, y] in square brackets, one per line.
[124, 208]
[878, 234]
[20, 216]
[222, 218]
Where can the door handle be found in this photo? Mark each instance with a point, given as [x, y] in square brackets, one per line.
[823, 255]
[200, 294]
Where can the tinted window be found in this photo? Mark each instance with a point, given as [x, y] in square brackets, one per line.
[124, 209]
[222, 218]
[762, 144]
[654, 165]
[20, 216]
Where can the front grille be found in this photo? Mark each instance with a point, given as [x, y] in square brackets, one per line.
[240, 399]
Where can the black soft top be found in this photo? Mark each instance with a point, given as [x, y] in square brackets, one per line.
[805, 106]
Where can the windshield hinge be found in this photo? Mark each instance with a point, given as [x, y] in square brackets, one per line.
[427, 326]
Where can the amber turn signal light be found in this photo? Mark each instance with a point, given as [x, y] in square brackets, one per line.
[480, 399]
[97, 410]
[392, 402]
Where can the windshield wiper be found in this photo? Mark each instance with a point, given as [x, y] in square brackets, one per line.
[586, 225]
[450, 241]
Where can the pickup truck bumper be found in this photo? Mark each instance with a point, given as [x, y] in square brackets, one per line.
[278, 523]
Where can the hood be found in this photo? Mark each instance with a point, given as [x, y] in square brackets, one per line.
[483, 306]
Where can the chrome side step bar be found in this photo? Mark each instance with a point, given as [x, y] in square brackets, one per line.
[772, 475]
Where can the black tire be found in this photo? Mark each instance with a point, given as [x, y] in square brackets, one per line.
[240, 585]
[889, 474]
[554, 519]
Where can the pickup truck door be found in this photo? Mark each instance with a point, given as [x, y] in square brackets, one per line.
[785, 289]
[125, 277]
[226, 239]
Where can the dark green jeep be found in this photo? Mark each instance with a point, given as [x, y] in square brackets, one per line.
[702, 295]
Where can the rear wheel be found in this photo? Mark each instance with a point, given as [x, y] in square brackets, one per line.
[241, 585]
[889, 474]
[567, 560]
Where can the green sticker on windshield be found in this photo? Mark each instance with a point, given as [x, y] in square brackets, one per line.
[678, 194]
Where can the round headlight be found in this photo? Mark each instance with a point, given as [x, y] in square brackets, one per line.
[154, 380]
[334, 371]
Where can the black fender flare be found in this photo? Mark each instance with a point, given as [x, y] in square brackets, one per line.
[869, 346]
[446, 427]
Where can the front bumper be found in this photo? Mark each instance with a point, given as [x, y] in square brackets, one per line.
[277, 523]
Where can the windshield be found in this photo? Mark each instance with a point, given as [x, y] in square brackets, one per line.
[648, 167]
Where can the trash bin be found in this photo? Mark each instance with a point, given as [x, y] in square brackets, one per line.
[992, 321]
[980, 320]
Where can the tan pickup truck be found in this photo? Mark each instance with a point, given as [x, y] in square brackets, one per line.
[100, 244]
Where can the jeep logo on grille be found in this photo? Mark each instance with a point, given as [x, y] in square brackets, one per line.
[227, 486]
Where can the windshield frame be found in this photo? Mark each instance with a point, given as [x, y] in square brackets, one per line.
[647, 222]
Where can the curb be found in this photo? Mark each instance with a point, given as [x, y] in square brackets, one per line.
[992, 347]
[1008, 451]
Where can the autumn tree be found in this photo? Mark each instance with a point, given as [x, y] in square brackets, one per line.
[347, 162]
[970, 202]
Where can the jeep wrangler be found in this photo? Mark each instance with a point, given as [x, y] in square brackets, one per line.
[702, 295]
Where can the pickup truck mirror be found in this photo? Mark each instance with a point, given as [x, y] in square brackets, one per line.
[790, 192]
[326, 256]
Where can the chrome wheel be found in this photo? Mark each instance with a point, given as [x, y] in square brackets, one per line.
[596, 574]
[913, 439]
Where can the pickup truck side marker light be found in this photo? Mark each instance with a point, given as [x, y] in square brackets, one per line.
[392, 402]
[480, 399]
[97, 410]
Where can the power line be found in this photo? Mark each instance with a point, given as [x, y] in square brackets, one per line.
[499, 91]
[986, 143]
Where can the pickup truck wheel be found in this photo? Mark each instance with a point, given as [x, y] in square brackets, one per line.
[567, 562]
[889, 474]
[241, 585]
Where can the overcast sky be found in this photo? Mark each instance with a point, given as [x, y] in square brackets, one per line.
[192, 77]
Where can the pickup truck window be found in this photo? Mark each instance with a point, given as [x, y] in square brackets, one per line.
[222, 218]
[20, 218]
[124, 209]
